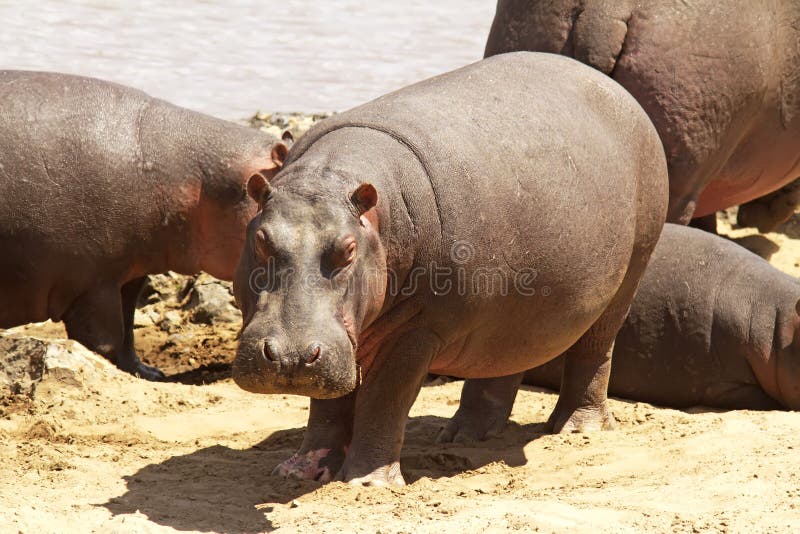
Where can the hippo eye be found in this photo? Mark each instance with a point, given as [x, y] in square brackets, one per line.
[342, 255]
[350, 252]
[263, 246]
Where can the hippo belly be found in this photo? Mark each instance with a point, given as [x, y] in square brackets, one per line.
[757, 167]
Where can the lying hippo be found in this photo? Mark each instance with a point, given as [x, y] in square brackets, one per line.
[719, 80]
[712, 324]
[100, 185]
[478, 223]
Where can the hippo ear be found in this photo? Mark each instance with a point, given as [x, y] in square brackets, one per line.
[364, 198]
[278, 153]
[258, 188]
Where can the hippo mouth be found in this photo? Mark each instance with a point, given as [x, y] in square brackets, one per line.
[347, 323]
[329, 383]
[330, 375]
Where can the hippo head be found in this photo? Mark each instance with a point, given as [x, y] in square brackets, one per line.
[224, 208]
[312, 272]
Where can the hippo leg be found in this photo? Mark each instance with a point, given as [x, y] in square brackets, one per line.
[707, 223]
[130, 295]
[96, 319]
[485, 406]
[382, 405]
[770, 211]
[321, 455]
[582, 403]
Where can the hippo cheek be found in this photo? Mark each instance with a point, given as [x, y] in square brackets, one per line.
[319, 370]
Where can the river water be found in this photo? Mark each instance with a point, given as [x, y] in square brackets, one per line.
[231, 58]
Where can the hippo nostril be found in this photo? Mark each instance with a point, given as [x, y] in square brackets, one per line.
[268, 353]
[314, 351]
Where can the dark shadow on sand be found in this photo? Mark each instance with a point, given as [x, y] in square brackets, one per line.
[228, 490]
[203, 375]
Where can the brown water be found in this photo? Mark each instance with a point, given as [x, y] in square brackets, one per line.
[230, 58]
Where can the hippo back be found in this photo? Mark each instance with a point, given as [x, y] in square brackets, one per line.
[718, 79]
[532, 162]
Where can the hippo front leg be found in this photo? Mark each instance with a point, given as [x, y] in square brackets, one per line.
[382, 405]
[130, 295]
[322, 453]
[99, 321]
[485, 406]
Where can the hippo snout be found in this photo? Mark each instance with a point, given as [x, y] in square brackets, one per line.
[309, 356]
[317, 369]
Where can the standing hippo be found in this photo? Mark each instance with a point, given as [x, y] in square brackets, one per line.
[719, 79]
[478, 223]
[712, 324]
[100, 185]
[770, 211]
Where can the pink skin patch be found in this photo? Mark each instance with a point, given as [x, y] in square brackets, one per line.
[305, 466]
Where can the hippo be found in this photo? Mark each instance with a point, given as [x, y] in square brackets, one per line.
[770, 211]
[720, 80]
[478, 223]
[100, 185]
[712, 324]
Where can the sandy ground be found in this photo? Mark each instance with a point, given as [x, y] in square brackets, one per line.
[116, 454]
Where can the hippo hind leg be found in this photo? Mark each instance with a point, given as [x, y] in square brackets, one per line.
[582, 402]
[102, 320]
[485, 406]
[707, 223]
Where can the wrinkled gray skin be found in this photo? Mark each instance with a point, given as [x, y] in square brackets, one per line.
[100, 185]
[712, 324]
[719, 79]
[517, 163]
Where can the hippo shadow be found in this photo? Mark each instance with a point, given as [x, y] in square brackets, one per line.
[223, 489]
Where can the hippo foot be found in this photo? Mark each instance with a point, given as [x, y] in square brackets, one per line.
[581, 420]
[465, 427]
[384, 476]
[305, 466]
[147, 372]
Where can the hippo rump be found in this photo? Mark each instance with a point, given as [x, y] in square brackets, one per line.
[477, 223]
[719, 79]
[100, 184]
[712, 324]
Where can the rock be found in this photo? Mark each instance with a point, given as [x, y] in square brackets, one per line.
[161, 287]
[279, 123]
[142, 319]
[170, 322]
[211, 301]
[25, 361]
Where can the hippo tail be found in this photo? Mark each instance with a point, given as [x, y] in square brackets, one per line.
[591, 31]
